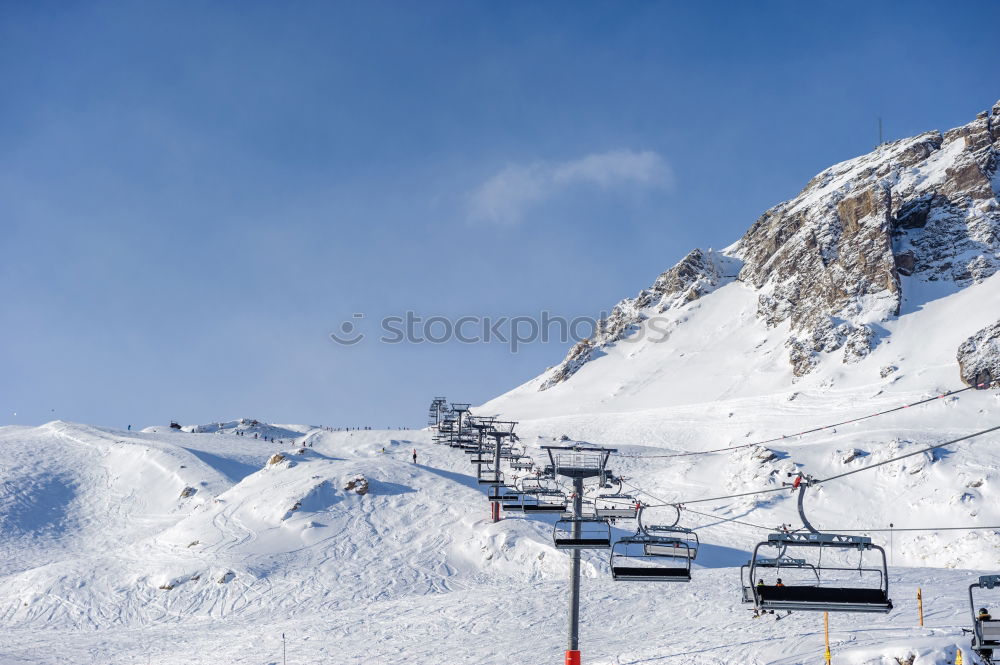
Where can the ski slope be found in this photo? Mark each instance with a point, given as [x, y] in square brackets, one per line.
[104, 560]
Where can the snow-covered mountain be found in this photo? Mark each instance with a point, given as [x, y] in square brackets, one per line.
[852, 252]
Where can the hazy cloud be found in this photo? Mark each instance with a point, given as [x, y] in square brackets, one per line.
[504, 198]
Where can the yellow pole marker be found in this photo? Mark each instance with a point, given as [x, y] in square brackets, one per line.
[826, 635]
[920, 605]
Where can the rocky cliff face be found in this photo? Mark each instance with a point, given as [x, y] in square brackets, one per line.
[979, 358]
[832, 261]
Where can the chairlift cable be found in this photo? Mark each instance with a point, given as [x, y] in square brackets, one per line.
[852, 472]
[785, 437]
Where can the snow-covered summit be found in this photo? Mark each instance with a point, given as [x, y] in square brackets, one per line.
[832, 262]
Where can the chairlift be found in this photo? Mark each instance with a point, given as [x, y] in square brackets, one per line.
[615, 506]
[502, 493]
[544, 501]
[581, 533]
[828, 586]
[778, 563]
[523, 463]
[539, 484]
[655, 553]
[586, 510]
[491, 478]
[985, 629]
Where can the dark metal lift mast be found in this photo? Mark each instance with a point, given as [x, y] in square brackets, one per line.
[577, 463]
[481, 424]
[459, 409]
[501, 429]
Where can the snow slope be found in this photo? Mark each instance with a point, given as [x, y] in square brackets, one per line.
[724, 352]
[118, 567]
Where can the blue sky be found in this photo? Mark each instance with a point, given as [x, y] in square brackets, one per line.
[194, 195]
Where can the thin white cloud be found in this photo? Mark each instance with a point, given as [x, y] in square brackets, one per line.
[504, 198]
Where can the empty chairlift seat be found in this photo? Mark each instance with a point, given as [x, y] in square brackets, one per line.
[491, 478]
[544, 501]
[503, 493]
[581, 533]
[655, 553]
[646, 558]
[615, 506]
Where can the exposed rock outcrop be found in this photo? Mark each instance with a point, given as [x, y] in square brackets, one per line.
[358, 484]
[831, 262]
[979, 357]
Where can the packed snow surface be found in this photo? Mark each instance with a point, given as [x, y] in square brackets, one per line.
[184, 547]
[206, 545]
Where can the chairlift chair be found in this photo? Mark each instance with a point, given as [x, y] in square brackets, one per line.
[503, 493]
[581, 533]
[819, 586]
[539, 484]
[747, 582]
[985, 632]
[586, 511]
[523, 463]
[655, 553]
[544, 501]
[615, 506]
[493, 478]
[645, 558]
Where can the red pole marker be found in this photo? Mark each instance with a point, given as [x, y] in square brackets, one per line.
[572, 658]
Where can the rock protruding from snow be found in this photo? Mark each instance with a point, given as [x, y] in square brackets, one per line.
[979, 357]
[695, 275]
[357, 484]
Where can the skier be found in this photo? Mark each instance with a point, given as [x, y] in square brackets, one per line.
[414, 455]
[984, 615]
[130, 428]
